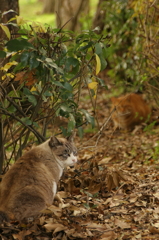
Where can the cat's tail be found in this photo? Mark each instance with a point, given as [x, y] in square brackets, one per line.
[3, 217]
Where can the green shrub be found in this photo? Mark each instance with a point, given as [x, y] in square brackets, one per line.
[43, 77]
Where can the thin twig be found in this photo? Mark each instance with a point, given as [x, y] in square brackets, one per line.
[36, 133]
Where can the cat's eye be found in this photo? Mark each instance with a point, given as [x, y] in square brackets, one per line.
[66, 153]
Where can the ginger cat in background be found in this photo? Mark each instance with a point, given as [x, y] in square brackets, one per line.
[130, 110]
[30, 184]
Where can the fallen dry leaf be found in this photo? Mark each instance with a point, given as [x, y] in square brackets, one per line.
[156, 224]
[154, 230]
[21, 235]
[104, 161]
[109, 235]
[122, 224]
[56, 210]
[96, 226]
[53, 226]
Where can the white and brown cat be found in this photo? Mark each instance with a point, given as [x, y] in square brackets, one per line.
[129, 110]
[30, 184]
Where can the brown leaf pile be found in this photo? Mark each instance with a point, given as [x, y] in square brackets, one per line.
[113, 192]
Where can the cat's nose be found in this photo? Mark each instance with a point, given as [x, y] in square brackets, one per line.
[74, 160]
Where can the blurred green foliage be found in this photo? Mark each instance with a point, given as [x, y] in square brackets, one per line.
[125, 57]
[43, 77]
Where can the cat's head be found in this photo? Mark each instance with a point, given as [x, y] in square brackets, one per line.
[122, 105]
[64, 149]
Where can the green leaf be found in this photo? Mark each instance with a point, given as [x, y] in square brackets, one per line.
[71, 126]
[102, 82]
[36, 124]
[50, 62]
[11, 109]
[33, 63]
[26, 120]
[71, 61]
[38, 87]
[88, 194]
[72, 65]
[89, 118]
[64, 131]
[83, 37]
[65, 108]
[86, 47]
[18, 67]
[30, 96]
[47, 93]
[25, 58]
[26, 91]
[80, 132]
[71, 123]
[65, 95]
[32, 100]
[86, 205]
[59, 84]
[98, 48]
[18, 44]
[2, 54]
[68, 86]
[103, 62]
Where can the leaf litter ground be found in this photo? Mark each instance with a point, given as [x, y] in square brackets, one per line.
[112, 193]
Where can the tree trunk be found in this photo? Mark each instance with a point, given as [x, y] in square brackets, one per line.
[5, 5]
[2, 157]
[99, 19]
[49, 6]
[69, 13]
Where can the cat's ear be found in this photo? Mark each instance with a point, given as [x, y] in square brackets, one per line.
[71, 137]
[53, 142]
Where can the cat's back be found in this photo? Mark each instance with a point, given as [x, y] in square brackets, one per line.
[25, 164]
[26, 171]
[140, 105]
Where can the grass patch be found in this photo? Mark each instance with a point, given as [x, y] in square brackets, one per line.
[31, 10]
